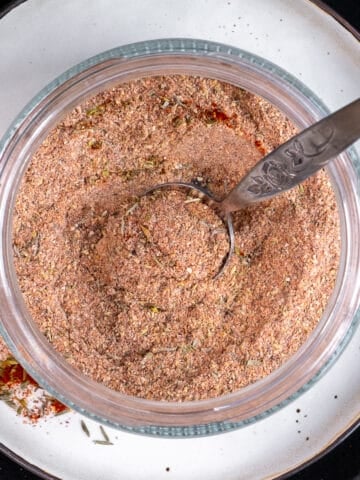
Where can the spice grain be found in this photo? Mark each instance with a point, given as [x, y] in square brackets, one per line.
[122, 285]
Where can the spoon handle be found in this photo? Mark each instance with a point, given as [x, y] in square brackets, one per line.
[297, 159]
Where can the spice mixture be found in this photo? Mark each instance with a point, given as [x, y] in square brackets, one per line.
[122, 285]
[22, 393]
[4, 351]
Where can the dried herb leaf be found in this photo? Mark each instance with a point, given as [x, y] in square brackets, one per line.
[96, 110]
[153, 308]
[104, 434]
[147, 233]
[95, 144]
[102, 442]
[84, 428]
[253, 363]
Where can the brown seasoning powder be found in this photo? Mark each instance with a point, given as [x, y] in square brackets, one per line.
[123, 287]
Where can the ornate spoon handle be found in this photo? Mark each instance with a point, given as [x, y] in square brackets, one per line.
[297, 159]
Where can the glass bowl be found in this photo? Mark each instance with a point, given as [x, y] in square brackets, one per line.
[204, 417]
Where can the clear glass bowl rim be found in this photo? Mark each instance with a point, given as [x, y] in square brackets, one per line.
[170, 418]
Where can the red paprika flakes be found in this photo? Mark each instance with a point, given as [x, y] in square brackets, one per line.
[22, 393]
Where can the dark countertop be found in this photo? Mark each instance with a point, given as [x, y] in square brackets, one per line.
[341, 462]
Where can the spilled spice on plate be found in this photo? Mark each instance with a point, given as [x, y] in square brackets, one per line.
[122, 285]
[22, 393]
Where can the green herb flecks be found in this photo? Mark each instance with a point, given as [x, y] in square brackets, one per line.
[84, 428]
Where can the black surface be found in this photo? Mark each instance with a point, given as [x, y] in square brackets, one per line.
[342, 462]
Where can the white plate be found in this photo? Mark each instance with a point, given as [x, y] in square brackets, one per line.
[39, 40]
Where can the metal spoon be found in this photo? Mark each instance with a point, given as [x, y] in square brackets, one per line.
[284, 168]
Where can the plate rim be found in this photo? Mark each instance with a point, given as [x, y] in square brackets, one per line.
[283, 476]
[334, 14]
[26, 464]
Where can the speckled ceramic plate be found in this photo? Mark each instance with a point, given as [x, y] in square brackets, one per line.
[39, 40]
